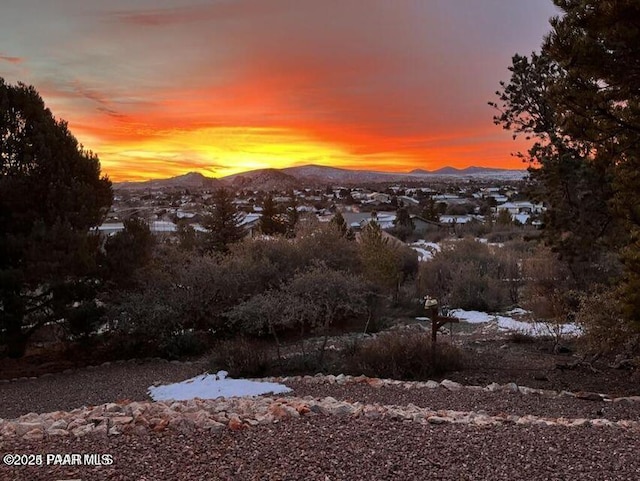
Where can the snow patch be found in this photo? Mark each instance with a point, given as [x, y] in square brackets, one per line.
[507, 323]
[211, 386]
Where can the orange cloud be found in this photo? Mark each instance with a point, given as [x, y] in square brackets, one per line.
[225, 86]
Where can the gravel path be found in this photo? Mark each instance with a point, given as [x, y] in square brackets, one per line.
[89, 387]
[331, 448]
[492, 403]
[327, 447]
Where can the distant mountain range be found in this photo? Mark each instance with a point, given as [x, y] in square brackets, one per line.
[315, 175]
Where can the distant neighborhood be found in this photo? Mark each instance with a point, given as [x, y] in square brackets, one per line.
[431, 201]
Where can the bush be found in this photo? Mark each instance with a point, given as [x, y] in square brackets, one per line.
[606, 331]
[405, 356]
[243, 358]
[470, 275]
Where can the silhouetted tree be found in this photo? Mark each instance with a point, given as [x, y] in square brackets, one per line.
[51, 195]
[222, 222]
[270, 221]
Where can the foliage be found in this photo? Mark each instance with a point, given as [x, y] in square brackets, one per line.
[127, 250]
[470, 275]
[222, 222]
[242, 357]
[579, 100]
[341, 225]
[600, 314]
[405, 356]
[327, 243]
[51, 196]
[384, 262]
[403, 225]
[271, 222]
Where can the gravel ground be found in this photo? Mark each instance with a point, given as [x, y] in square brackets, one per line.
[333, 448]
[493, 403]
[90, 387]
[326, 448]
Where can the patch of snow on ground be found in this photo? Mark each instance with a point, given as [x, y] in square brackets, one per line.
[506, 323]
[518, 311]
[425, 249]
[211, 386]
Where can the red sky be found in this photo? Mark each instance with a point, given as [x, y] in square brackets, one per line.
[162, 87]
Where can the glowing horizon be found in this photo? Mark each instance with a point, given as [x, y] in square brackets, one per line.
[225, 86]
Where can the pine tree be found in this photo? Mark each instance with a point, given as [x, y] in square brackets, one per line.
[223, 223]
[51, 197]
[341, 226]
[292, 217]
[403, 224]
[580, 101]
[270, 220]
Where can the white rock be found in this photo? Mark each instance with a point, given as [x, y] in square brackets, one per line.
[451, 385]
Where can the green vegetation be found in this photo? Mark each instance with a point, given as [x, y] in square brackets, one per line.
[51, 195]
[579, 100]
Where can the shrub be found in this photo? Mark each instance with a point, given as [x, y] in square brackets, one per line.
[403, 356]
[242, 357]
[606, 331]
[469, 275]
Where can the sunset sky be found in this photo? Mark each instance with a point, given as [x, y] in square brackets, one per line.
[162, 87]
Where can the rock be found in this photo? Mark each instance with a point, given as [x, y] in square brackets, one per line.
[112, 408]
[235, 424]
[82, 430]
[282, 411]
[120, 420]
[529, 390]
[589, 396]
[57, 432]
[566, 394]
[493, 387]
[627, 399]
[511, 387]
[580, 422]
[432, 385]
[34, 435]
[451, 385]
[341, 409]
[375, 382]
[23, 428]
[437, 420]
[602, 423]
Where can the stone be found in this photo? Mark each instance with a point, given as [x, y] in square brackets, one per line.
[22, 428]
[627, 399]
[112, 408]
[511, 387]
[235, 424]
[57, 432]
[437, 420]
[34, 435]
[120, 420]
[82, 430]
[493, 387]
[451, 385]
[432, 384]
[602, 423]
[589, 396]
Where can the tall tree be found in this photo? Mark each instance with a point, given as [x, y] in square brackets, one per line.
[128, 250]
[51, 195]
[580, 100]
[271, 222]
[341, 225]
[403, 225]
[222, 222]
[381, 260]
